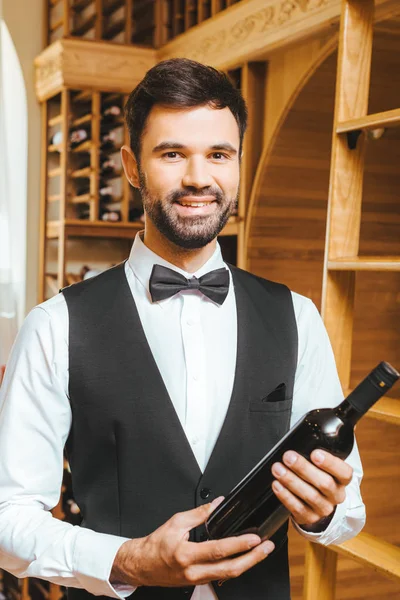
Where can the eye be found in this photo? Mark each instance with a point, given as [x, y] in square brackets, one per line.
[171, 154]
[219, 155]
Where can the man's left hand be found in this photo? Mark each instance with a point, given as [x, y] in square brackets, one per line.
[311, 490]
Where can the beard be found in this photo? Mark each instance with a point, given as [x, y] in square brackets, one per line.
[190, 232]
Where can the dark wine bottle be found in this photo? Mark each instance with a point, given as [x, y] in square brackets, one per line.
[252, 507]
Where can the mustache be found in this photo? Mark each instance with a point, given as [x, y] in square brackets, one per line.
[176, 195]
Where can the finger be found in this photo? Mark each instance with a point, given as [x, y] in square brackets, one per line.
[304, 491]
[191, 518]
[333, 465]
[215, 550]
[302, 514]
[229, 568]
[333, 490]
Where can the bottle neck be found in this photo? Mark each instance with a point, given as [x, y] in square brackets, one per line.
[347, 412]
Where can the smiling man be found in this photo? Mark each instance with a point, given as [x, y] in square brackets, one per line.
[167, 378]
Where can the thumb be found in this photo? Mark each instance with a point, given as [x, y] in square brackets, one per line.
[197, 516]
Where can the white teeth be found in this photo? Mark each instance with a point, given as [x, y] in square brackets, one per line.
[197, 204]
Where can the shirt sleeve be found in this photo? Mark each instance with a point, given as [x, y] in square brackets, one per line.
[35, 420]
[317, 385]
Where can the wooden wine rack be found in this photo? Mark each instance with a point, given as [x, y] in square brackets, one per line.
[342, 263]
[145, 22]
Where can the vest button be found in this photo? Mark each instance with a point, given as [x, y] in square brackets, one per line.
[204, 493]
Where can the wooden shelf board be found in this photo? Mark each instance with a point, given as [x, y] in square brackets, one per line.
[85, 26]
[54, 148]
[81, 199]
[85, 172]
[112, 6]
[86, 228]
[54, 172]
[84, 96]
[54, 2]
[83, 228]
[114, 29]
[54, 198]
[365, 263]
[81, 120]
[372, 552]
[84, 147]
[386, 409]
[79, 5]
[55, 120]
[56, 25]
[390, 118]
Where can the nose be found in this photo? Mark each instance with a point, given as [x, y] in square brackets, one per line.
[197, 174]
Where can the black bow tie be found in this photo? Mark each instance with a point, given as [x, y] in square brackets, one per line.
[165, 283]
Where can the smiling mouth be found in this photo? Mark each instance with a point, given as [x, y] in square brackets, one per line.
[195, 203]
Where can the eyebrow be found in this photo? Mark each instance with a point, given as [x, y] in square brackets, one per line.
[168, 145]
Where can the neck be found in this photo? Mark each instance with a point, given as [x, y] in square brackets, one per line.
[189, 260]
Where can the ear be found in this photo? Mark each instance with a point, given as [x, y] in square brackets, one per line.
[130, 166]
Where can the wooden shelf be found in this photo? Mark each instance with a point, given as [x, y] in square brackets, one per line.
[365, 263]
[114, 29]
[81, 199]
[81, 120]
[374, 553]
[55, 172]
[54, 148]
[54, 198]
[80, 5]
[86, 228]
[85, 26]
[386, 409]
[84, 96]
[55, 121]
[81, 173]
[112, 6]
[390, 118]
[54, 2]
[56, 25]
[84, 147]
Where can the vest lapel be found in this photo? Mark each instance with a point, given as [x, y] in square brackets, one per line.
[258, 365]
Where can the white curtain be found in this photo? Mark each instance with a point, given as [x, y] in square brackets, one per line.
[13, 191]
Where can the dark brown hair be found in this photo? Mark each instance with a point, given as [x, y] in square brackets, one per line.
[185, 83]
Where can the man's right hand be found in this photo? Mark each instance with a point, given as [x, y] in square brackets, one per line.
[166, 558]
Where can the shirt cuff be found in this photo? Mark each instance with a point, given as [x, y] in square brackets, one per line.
[330, 534]
[93, 558]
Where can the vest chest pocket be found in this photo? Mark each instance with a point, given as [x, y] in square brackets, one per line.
[270, 407]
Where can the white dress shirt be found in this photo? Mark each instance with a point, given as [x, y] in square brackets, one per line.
[193, 341]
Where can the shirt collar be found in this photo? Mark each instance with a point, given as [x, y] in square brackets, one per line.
[142, 259]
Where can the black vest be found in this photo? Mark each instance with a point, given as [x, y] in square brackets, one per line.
[132, 465]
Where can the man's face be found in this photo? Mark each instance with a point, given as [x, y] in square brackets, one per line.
[189, 172]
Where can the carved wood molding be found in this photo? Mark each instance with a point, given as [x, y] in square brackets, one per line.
[250, 30]
[76, 63]
[246, 31]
